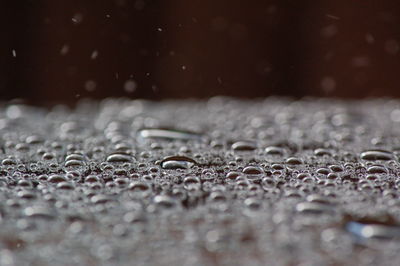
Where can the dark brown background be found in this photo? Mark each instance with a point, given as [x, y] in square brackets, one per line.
[198, 48]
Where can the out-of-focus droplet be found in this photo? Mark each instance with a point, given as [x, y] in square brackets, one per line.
[376, 155]
[130, 86]
[168, 134]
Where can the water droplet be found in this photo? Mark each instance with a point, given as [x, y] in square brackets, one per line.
[364, 231]
[168, 134]
[119, 158]
[165, 201]
[313, 208]
[376, 169]
[244, 146]
[294, 161]
[192, 182]
[56, 179]
[130, 86]
[94, 54]
[322, 152]
[376, 155]
[100, 199]
[39, 212]
[253, 172]
[177, 162]
[273, 150]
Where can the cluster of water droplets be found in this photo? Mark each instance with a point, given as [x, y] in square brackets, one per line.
[217, 182]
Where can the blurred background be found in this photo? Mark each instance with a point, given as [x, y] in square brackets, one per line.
[61, 51]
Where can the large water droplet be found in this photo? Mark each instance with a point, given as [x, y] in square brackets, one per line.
[244, 146]
[119, 158]
[375, 155]
[168, 134]
[177, 162]
[373, 231]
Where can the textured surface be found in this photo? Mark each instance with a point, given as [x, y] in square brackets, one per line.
[219, 182]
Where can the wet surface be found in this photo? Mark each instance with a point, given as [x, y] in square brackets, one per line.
[217, 182]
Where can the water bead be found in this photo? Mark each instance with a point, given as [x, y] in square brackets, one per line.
[375, 155]
[364, 231]
[177, 162]
[168, 134]
[119, 158]
[244, 146]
